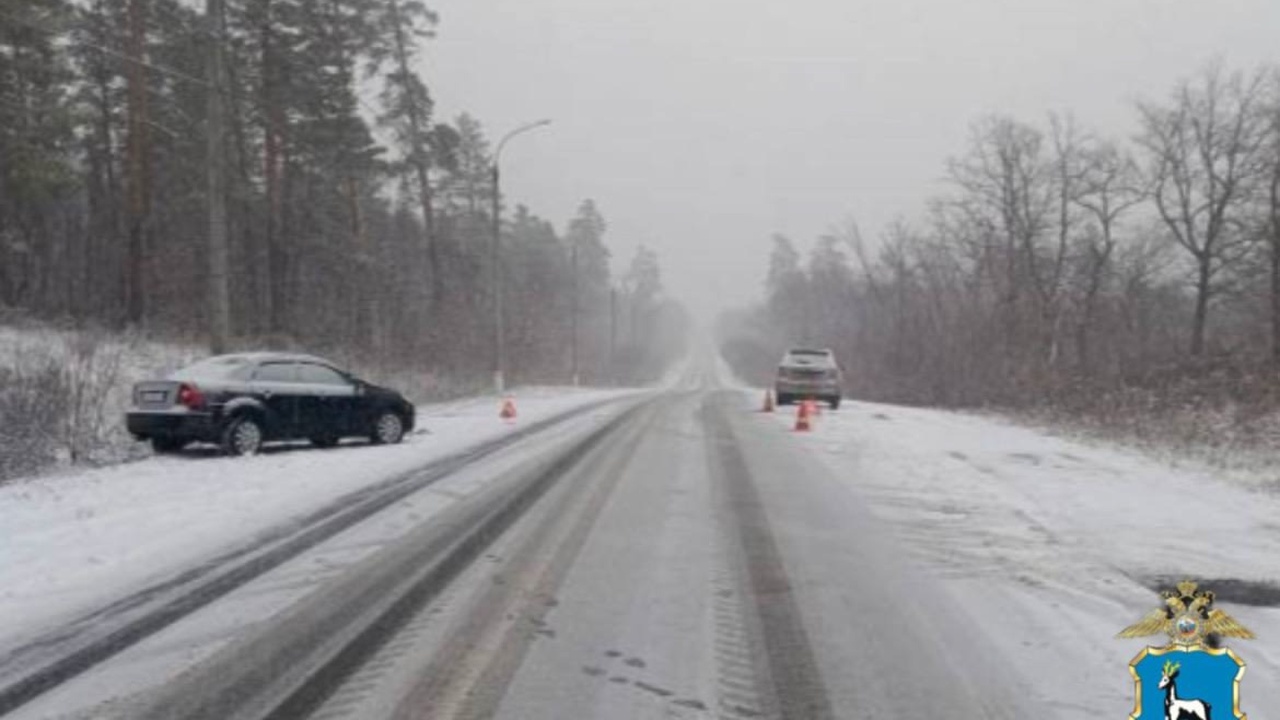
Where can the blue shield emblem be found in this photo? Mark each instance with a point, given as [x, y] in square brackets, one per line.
[1180, 681]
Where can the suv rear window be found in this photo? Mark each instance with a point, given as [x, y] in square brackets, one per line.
[809, 359]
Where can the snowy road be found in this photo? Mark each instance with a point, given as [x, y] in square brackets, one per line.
[694, 558]
[75, 541]
[731, 576]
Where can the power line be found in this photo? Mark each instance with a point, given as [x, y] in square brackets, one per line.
[374, 112]
[150, 66]
[64, 33]
[163, 69]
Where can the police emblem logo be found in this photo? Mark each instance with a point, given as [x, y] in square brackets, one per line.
[1192, 677]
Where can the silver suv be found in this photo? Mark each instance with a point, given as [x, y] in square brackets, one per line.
[805, 374]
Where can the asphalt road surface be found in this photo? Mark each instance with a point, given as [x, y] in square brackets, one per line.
[695, 564]
[682, 557]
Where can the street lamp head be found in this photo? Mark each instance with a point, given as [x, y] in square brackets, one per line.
[522, 129]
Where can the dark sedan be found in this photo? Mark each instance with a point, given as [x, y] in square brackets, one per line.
[241, 401]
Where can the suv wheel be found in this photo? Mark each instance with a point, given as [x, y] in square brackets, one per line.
[242, 436]
[388, 429]
[167, 445]
[835, 402]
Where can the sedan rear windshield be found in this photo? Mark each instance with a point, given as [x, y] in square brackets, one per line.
[216, 368]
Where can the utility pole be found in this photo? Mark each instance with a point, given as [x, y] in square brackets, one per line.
[219, 296]
[495, 260]
[138, 177]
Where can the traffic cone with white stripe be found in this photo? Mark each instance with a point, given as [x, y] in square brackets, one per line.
[803, 421]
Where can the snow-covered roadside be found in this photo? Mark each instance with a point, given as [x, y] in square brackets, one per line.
[72, 541]
[1048, 542]
[63, 392]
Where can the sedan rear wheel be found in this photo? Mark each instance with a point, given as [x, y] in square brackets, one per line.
[388, 429]
[242, 436]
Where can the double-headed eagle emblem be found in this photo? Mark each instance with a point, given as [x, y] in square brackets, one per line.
[1193, 675]
[1188, 618]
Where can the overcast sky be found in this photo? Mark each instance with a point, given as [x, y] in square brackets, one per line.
[701, 127]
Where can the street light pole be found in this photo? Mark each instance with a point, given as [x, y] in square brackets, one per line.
[495, 259]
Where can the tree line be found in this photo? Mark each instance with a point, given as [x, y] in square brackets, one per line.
[172, 168]
[1059, 265]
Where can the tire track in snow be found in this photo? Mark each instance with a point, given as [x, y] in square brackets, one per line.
[50, 660]
[775, 631]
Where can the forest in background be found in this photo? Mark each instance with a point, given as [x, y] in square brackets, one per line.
[1132, 282]
[340, 224]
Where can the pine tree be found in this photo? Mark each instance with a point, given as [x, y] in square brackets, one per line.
[589, 280]
[35, 148]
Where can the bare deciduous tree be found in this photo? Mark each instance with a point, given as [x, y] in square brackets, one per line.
[1005, 190]
[1271, 205]
[1109, 186]
[1056, 234]
[1203, 151]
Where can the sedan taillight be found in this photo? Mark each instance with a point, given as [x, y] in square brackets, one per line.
[190, 396]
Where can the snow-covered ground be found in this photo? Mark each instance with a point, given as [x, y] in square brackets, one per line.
[1049, 542]
[75, 540]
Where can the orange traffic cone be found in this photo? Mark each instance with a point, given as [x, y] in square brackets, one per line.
[803, 423]
[768, 402]
[508, 412]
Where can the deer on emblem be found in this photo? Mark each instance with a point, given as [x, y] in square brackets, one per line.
[1174, 707]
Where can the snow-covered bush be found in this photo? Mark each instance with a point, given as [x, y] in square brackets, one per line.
[63, 394]
[32, 396]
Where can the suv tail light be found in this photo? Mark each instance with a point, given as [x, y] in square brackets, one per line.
[190, 396]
